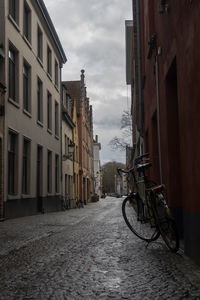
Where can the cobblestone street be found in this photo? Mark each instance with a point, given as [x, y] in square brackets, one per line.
[89, 254]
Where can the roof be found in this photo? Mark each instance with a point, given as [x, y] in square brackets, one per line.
[73, 88]
[52, 30]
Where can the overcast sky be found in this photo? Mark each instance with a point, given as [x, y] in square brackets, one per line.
[92, 33]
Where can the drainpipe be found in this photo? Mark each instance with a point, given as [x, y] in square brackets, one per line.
[139, 68]
[61, 101]
[158, 117]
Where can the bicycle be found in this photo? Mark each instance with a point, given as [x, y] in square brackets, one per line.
[65, 203]
[145, 210]
[79, 204]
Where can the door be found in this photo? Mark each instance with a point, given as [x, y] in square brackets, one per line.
[40, 207]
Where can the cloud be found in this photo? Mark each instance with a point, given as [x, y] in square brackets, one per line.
[92, 33]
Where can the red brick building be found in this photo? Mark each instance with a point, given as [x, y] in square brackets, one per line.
[169, 43]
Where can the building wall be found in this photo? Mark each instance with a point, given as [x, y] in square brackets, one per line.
[76, 154]
[67, 165]
[178, 65]
[97, 167]
[25, 124]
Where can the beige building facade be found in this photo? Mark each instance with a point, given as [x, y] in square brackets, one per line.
[32, 131]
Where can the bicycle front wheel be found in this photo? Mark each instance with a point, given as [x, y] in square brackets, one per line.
[133, 213]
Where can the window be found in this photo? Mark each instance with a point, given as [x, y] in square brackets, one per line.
[49, 172]
[49, 67]
[13, 12]
[66, 145]
[49, 111]
[12, 163]
[56, 173]
[26, 87]
[39, 44]
[27, 22]
[56, 73]
[56, 119]
[12, 73]
[39, 99]
[26, 167]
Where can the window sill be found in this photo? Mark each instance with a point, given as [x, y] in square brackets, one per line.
[57, 88]
[57, 137]
[49, 131]
[13, 197]
[40, 62]
[27, 113]
[26, 196]
[14, 22]
[16, 104]
[40, 123]
[27, 42]
[49, 76]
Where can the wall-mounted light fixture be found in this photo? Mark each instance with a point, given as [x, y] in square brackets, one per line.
[70, 151]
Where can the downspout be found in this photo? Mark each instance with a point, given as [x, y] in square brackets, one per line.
[61, 101]
[140, 125]
[158, 117]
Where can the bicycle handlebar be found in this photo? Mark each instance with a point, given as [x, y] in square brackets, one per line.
[139, 158]
[124, 171]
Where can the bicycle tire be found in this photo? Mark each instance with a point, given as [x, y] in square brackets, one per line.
[144, 231]
[166, 223]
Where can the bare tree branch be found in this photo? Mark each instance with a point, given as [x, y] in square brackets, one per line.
[120, 143]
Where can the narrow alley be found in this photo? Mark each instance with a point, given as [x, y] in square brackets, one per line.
[89, 253]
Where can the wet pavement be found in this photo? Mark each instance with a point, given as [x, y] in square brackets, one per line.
[89, 253]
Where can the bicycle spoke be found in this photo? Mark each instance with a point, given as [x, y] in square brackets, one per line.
[138, 220]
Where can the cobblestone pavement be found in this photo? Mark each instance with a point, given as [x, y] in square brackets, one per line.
[90, 254]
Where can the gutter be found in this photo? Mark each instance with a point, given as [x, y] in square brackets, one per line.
[51, 28]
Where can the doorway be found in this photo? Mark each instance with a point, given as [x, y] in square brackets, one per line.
[40, 207]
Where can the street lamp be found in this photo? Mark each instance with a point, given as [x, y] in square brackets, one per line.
[70, 151]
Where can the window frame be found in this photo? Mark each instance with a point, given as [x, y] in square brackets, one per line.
[26, 166]
[12, 162]
[56, 173]
[49, 111]
[56, 72]
[49, 61]
[39, 43]
[13, 10]
[27, 22]
[49, 171]
[56, 119]
[39, 100]
[13, 63]
[27, 77]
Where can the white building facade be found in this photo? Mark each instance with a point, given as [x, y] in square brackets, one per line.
[32, 75]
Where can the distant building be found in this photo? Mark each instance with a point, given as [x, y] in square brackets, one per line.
[67, 148]
[77, 90]
[31, 71]
[121, 184]
[73, 88]
[97, 167]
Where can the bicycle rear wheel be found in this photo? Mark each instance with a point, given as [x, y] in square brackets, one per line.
[134, 218]
[166, 223]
